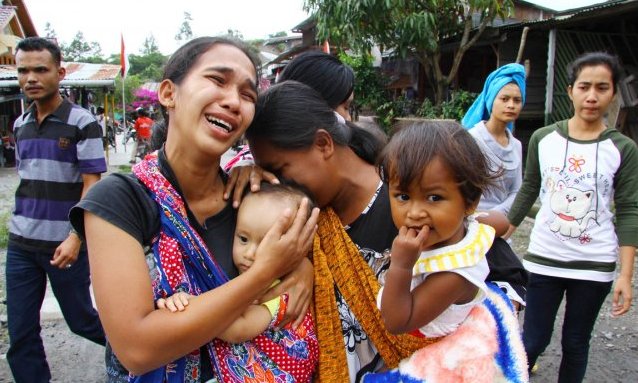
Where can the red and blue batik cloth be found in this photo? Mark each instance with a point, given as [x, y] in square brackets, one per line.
[184, 263]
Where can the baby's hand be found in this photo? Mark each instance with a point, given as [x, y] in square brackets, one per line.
[174, 303]
[407, 246]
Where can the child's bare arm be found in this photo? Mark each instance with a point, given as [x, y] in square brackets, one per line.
[251, 323]
[437, 292]
[496, 219]
[404, 310]
[396, 300]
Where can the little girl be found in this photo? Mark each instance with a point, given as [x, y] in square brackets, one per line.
[436, 174]
[438, 266]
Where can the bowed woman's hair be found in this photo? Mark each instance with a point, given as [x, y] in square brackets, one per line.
[289, 114]
[324, 73]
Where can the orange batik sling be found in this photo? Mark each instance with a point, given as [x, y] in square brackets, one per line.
[337, 261]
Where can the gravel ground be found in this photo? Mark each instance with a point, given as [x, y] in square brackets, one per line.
[614, 345]
[613, 355]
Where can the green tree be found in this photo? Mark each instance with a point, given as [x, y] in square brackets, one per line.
[254, 45]
[147, 67]
[114, 58]
[131, 84]
[234, 33]
[149, 46]
[281, 47]
[49, 32]
[409, 27]
[79, 50]
[369, 84]
[185, 32]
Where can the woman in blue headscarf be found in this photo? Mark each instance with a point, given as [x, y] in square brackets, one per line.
[490, 120]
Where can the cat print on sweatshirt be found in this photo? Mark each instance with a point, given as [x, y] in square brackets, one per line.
[573, 209]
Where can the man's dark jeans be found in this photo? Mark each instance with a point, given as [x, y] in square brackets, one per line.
[26, 273]
[583, 300]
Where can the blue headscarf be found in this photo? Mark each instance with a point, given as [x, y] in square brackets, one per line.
[482, 106]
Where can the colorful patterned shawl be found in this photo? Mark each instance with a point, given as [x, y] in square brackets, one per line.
[184, 263]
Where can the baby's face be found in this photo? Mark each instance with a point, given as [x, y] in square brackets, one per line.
[256, 215]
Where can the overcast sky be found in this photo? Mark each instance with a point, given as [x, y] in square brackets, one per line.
[102, 21]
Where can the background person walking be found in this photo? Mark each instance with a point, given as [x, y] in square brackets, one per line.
[143, 126]
[59, 156]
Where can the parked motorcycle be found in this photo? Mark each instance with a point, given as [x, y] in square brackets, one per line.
[110, 134]
[129, 133]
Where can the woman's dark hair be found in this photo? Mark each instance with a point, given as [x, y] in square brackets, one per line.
[594, 59]
[141, 112]
[181, 62]
[324, 73]
[30, 44]
[289, 114]
[413, 147]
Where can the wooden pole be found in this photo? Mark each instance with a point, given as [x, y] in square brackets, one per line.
[521, 47]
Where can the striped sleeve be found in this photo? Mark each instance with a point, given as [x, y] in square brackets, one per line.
[90, 150]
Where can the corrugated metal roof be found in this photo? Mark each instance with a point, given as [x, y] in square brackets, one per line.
[77, 74]
[7, 72]
[282, 39]
[87, 71]
[587, 8]
[74, 71]
[569, 14]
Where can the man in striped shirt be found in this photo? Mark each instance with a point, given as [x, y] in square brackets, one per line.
[58, 156]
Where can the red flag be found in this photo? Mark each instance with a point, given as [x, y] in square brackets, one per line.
[277, 75]
[326, 47]
[123, 58]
